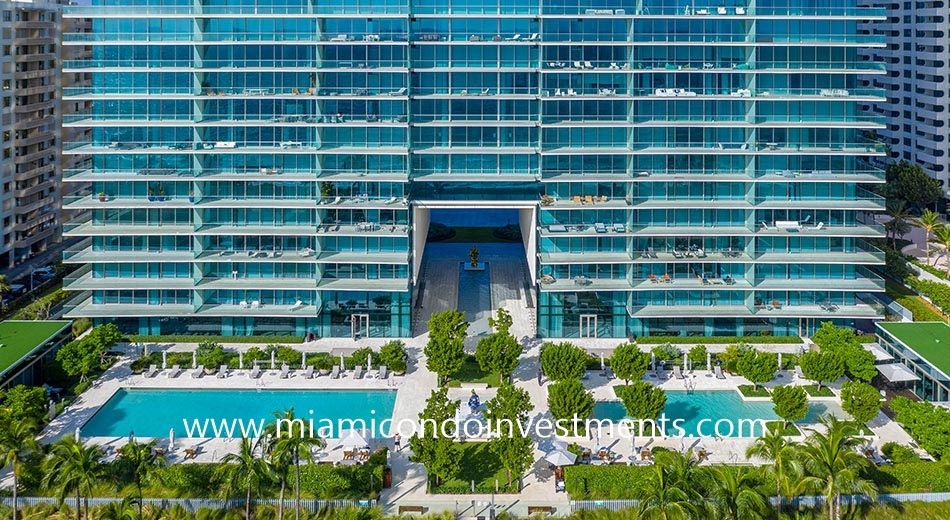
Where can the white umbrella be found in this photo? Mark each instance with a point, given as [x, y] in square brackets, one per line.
[273, 353]
[144, 349]
[241, 360]
[708, 361]
[652, 361]
[685, 360]
[602, 366]
[76, 434]
[558, 445]
[780, 360]
[194, 359]
[164, 359]
[342, 365]
[560, 458]
[369, 362]
[171, 439]
[354, 437]
[52, 410]
[303, 359]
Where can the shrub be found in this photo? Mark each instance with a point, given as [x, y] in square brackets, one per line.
[393, 355]
[938, 293]
[730, 358]
[697, 355]
[191, 338]
[927, 423]
[719, 340]
[898, 453]
[321, 361]
[667, 352]
[211, 355]
[605, 482]
[283, 354]
[911, 477]
[567, 399]
[81, 325]
[361, 355]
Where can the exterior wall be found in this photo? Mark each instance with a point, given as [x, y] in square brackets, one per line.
[917, 109]
[241, 151]
[28, 125]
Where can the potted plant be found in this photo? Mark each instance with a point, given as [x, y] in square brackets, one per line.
[473, 256]
[151, 194]
[160, 193]
[325, 189]
[322, 364]
[191, 196]
[102, 196]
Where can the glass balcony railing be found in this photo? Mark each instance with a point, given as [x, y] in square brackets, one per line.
[762, 94]
[336, 8]
[629, 8]
[642, 65]
[234, 36]
[276, 65]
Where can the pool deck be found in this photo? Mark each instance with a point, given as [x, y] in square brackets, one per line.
[409, 480]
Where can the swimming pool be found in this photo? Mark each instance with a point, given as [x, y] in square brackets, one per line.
[474, 297]
[222, 413]
[710, 406]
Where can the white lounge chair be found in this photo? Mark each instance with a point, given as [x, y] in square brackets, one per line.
[243, 304]
[578, 65]
[256, 304]
[174, 372]
[532, 38]
[222, 372]
[335, 373]
[819, 225]
[200, 371]
[678, 372]
[398, 92]
[513, 38]
[383, 372]
[308, 372]
[358, 372]
[255, 372]
[719, 374]
[152, 370]
[587, 65]
[284, 371]
[295, 306]
[798, 372]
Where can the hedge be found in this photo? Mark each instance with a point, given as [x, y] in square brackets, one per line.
[194, 338]
[911, 477]
[719, 340]
[605, 482]
[938, 293]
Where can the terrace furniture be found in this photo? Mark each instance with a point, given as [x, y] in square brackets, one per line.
[740, 10]
[619, 228]
[798, 372]
[200, 371]
[243, 304]
[599, 227]
[335, 373]
[308, 372]
[222, 372]
[577, 199]
[284, 371]
[645, 454]
[776, 304]
[650, 252]
[399, 92]
[152, 371]
[718, 372]
[577, 65]
[306, 252]
[667, 279]
[513, 38]
[174, 372]
[588, 199]
[678, 372]
[532, 38]
[191, 453]
[603, 198]
[701, 455]
[256, 304]
[411, 509]
[358, 372]
[654, 279]
[255, 372]
[677, 253]
[721, 10]
[587, 65]
[383, 372]
[819, 226]
[160, 452]
[295, 306]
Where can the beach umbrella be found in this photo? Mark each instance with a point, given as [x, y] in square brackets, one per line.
[171, 439]
[303, 359]
[342, 365]
[194, 359]
[52, 410]
[241, 360]
[144, 349]
[652, 361]
[780, 360]
[354, 437]
[685, 360]
[708, 361]
[76, 434]
[561, 458]
[369, 362]
[164, 359]
[273, 353]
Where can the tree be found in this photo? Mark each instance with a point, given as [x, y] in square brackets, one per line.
[393, 355]
[929, 221]
[74, 468]
[499, 353]
[858, 361]
[80, 357]
[899, 225]
[291, 442]
[124, 510]
[910, 184]
[434, 445]
[501, 322]
[830, 337]
[473, 256]
[942, 238]
[781, 459]
[24, 402]
[860, 364]
[734, 493]
[445, 351]
[17, 440]
[244, 469]
[4, 285]
[758, 367]
[697, 355]
[642, 400]
[861, 400]
[507, 414]
[139, 459]
[662, 497]
[927, 423]
[834, 466]
[569, 400]
[821, 366]
[790, 403]
[629, 362]
[563, 361]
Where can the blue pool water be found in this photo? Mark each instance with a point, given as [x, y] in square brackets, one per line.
[152, 413]
[474, 297]
[714, 405]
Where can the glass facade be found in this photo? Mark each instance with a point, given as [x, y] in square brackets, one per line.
[255, 166]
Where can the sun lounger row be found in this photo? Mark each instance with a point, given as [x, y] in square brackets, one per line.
[308, 372]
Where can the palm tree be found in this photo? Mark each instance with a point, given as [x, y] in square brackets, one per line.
[833, 465]
[942, 238]
[279, 460]
[929, 221]
[781, 456]
[139, 460]
[17, 439]
[662, 497]
[246, 469]
[74, 468]
[293, 442]
[734, 494]
[898, 225]
[124, 510]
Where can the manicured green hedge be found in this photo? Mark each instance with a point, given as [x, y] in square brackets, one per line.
[217, 339]
[912, 477]
[938, 293]
[186, 480]
[719, 340]
[605, 482]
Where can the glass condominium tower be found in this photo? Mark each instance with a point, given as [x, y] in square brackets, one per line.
[679, 168]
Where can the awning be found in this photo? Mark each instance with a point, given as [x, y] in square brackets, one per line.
[896, 373]
[879, 353]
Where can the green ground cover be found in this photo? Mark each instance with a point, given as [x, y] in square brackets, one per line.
[472, 373]
[478, 464]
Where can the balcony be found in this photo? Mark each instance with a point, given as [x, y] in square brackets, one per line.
[858, 310]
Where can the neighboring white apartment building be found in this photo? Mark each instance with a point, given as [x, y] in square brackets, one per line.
[916, 84]
[29, 83]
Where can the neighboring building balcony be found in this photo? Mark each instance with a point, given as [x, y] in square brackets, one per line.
[631, 10]
[863, 176]
[235, 37]
[715, 121]
[737, 67]
[188, 120]
[84, 226]
[197, 65]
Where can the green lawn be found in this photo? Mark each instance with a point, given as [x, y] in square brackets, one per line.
[478, 464]
[472, 373]
[751, 391]
[931, 340]
[18, 338]
[814, 391]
